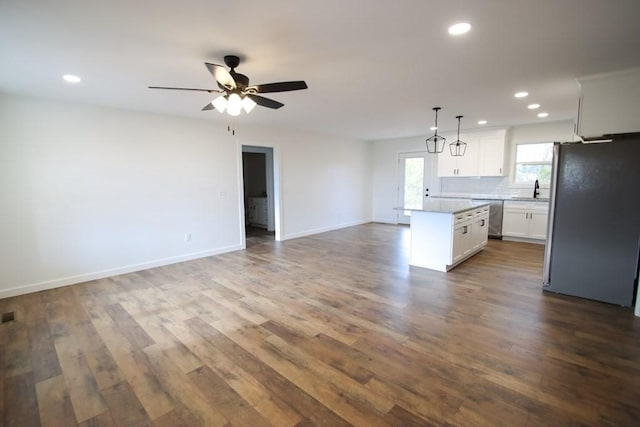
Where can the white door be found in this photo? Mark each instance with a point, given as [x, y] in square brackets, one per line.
[413, 183]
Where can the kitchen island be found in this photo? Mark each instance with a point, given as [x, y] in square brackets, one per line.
[446, 232]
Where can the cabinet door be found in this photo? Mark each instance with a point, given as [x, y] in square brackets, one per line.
[468, 164]
[251, 210]
[461, 238]
[515, 223]
[491, 157]
[261, 212]
[447, 164]
[480, 232]
[538, 225]
[609, 104]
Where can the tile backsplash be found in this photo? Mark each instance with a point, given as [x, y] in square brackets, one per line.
[485, 187]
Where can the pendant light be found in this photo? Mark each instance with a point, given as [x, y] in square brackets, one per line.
[435, 144]
[458, 147]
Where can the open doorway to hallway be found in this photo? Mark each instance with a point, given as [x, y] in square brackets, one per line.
[258, 185]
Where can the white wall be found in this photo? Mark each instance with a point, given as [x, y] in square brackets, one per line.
[325, 181]
[385, 174]
[88, 192]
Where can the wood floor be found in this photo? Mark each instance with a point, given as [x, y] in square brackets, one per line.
[333, 329]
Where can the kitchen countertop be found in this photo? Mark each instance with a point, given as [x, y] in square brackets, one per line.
[494, 197]
[447, 206]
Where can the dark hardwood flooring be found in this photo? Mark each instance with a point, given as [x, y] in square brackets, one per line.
[328, 330]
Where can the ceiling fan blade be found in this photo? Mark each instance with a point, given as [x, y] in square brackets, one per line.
[222, 76]
[186, 88]
[265, 102]
[208, 107]
[281, 86]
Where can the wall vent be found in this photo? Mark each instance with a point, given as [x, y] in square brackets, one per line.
[8, 317]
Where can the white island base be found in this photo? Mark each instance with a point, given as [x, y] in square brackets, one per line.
[446, 233]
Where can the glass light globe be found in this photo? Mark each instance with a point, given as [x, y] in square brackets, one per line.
[234, 105]
[220, 103]
[248, 104]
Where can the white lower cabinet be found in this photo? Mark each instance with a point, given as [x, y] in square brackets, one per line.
[440, 241]
[480, 231]
[461, 243]
[526, 220]
[258, 211]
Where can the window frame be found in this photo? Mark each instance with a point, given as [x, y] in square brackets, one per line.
[515, 163]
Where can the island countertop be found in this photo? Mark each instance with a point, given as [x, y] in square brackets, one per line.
[448, 206]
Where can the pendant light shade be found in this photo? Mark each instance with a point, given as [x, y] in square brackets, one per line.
[435, 144]
[458, 147]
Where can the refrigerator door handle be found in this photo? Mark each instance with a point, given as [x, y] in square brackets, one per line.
[546, 275]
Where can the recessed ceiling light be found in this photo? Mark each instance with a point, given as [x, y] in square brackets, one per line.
[71, 78]
[533, 106]
[433, 128]
[521, 94]
[542, 115]
[459, 28]
[482, 122]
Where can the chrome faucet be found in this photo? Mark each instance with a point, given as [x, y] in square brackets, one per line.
[536, 190]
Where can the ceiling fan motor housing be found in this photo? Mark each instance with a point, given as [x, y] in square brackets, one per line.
[232, 61]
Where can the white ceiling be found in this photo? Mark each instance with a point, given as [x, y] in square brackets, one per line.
[374, 69]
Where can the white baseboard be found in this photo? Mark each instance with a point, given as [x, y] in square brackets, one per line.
[85, 277]
[385, 220]
[324, 229]
[524, 240]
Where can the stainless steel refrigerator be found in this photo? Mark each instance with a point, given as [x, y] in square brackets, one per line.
[593, 242]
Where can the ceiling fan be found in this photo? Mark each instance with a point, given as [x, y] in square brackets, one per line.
[236, 92]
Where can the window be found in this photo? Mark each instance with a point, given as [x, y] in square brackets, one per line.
[413, 182]
[533, 161]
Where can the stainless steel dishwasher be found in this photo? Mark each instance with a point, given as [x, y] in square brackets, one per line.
[495, 217]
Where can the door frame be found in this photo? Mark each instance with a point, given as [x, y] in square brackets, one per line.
[274, 189]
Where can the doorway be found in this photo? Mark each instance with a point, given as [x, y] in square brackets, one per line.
[259, 194]
[414, 181]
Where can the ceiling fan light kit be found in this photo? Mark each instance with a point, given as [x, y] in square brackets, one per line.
[237, 95]
[435, 143]
[458, 147]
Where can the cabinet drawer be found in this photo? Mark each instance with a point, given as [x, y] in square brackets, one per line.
[508, 204]
[540, 207]
[463, 216]
[481, 211]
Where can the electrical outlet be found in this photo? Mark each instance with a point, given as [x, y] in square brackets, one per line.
[187, 237]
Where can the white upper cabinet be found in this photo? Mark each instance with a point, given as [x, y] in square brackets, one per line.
[466, 165]
[609, 104]
[485, 155]
[491, 154]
